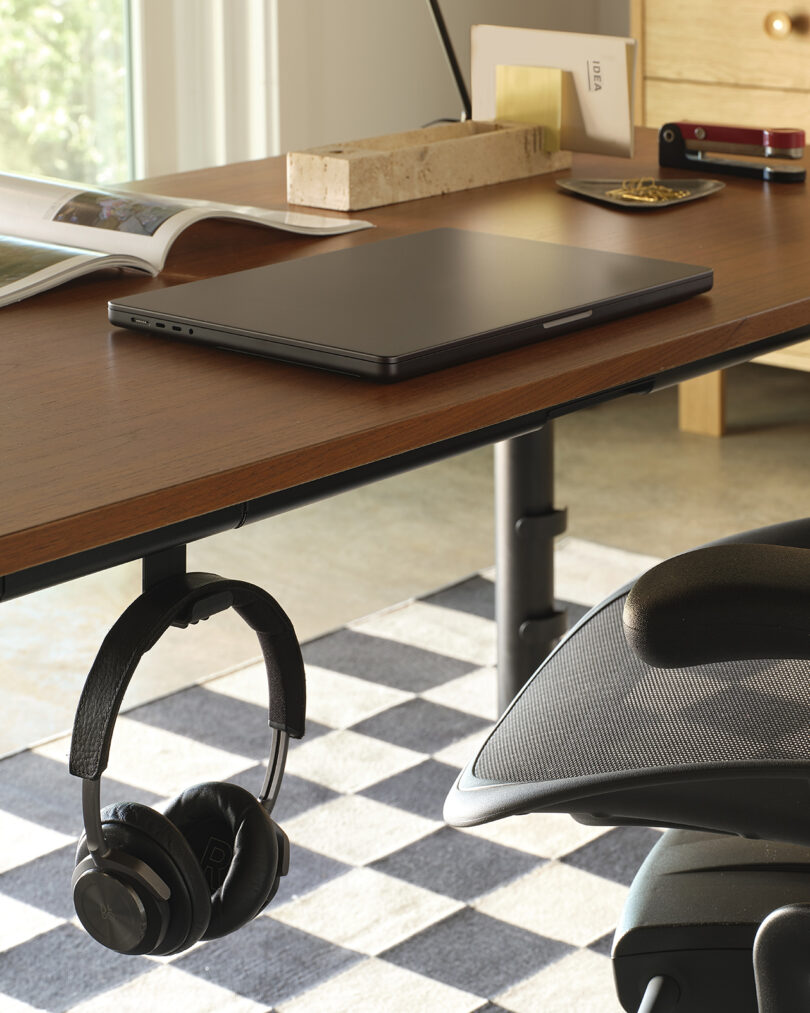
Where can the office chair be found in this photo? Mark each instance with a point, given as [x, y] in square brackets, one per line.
[683, 702]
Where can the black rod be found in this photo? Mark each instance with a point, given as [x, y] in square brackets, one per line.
[526, 523]
[450, 53]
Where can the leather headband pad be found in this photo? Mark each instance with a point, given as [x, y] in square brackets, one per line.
[140, 627]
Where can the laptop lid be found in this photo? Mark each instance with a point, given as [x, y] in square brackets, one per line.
[408, 305]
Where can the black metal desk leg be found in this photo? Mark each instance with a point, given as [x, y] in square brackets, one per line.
[525, 525]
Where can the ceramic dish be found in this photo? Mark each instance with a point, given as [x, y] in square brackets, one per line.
[599, 190]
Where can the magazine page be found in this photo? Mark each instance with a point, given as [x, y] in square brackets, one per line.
[141, 225]
[28, 267]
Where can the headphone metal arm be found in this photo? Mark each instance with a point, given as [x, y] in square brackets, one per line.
[91, 812]
[275, 769]
[101, 857]
[91, 794]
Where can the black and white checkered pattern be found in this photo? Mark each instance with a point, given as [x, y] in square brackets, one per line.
[385, 907]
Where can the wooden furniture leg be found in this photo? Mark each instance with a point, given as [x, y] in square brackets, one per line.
[702, 404]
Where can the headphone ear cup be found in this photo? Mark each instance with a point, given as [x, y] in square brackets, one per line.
[237, 846]
[147, 835]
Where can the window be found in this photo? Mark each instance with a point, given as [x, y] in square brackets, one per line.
[103, 90]
[64, 105]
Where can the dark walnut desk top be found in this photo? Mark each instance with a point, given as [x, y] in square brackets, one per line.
[106, 434]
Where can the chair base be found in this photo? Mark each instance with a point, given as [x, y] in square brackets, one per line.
[692, 915]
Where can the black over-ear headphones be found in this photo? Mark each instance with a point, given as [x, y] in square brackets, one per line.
[157, 882]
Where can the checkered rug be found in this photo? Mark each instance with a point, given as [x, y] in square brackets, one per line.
[385, 908]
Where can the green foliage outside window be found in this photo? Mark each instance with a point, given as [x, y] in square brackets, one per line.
[63, 89]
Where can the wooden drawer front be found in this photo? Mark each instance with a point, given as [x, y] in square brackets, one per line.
[715, 103]
[705, 40]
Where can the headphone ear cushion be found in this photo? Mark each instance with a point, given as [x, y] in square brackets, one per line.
[235, 843]
[146, 834]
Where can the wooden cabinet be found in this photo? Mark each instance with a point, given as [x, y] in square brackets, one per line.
[715, 60]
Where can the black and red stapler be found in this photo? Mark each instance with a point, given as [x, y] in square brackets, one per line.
[685, 145]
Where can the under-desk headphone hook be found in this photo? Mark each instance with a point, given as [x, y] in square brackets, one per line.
[156, 882]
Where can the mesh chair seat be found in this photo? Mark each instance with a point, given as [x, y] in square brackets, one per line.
[601, 735]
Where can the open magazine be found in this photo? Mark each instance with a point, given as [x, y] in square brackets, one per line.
[52, 231]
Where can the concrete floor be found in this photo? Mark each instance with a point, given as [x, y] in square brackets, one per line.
[633, 481]
[629, 478]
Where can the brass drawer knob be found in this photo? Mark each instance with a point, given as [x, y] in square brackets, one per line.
[778, 24]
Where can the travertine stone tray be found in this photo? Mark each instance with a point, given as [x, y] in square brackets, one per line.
[418, 163]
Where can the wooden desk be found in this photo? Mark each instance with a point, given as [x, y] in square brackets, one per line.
[109, 435]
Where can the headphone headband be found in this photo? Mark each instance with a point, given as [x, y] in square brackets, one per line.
[191, 596]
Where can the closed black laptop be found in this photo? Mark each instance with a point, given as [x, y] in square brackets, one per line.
[399, 307]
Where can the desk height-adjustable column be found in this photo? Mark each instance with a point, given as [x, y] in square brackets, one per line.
[525, 526]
